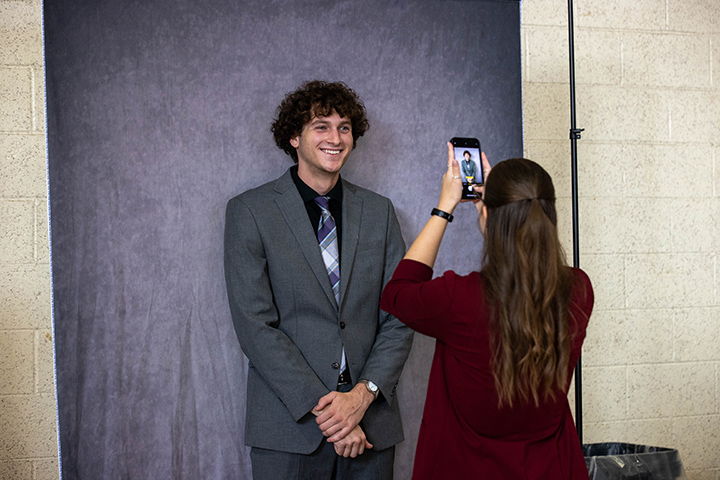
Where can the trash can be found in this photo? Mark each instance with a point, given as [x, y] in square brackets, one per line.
[626, 461]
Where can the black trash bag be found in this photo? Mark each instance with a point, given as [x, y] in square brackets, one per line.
[626, 461]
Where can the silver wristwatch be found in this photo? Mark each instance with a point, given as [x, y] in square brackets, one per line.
[371, 387]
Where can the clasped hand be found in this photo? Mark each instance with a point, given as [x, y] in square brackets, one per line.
[338, 417]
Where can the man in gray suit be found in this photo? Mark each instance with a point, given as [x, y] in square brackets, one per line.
[306, 259]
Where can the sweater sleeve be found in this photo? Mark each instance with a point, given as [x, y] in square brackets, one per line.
[424, 304]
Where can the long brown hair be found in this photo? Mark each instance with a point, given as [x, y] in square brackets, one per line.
[527, 284]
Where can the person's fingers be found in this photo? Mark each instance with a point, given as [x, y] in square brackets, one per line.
[451, 156]
[485, 164]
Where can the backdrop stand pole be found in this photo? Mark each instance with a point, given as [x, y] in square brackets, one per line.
[574, 136]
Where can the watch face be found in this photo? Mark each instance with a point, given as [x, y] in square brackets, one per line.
[372, 387]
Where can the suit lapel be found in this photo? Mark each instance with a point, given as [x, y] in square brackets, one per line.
[293, 210]
[352, 212]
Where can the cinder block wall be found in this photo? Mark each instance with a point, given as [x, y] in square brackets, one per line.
[28, 440]
[648, 97]
[647, 94]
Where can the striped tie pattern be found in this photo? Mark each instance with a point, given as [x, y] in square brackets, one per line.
[327, 238]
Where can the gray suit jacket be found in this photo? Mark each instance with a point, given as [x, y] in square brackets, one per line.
[286, 320]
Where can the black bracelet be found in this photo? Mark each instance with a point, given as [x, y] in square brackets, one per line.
[447, 216]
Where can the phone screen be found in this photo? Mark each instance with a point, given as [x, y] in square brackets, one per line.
[470, 168]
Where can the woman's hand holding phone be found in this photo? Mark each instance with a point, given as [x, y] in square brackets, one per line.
[452, 185]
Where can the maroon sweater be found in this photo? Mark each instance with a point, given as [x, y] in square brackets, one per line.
[464, 435]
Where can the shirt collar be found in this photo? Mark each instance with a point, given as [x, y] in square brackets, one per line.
[308, 194]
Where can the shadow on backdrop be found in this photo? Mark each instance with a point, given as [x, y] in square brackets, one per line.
[159, 112]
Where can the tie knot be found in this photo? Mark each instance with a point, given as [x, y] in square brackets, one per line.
[323, 202]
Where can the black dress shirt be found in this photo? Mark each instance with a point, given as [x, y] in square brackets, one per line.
[314, 212]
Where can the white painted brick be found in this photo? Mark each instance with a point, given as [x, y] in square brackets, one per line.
[611, 113]
[666, 60]
[669, 280]
[616, 225]
[17, 362]
[544, 12]
[698, 440]
[17, 231]
[607, 274]
[547, 111]
[697, 334]
[621, 14]
[655, 432]
[597, 56]
[694, 115]
[45, 469]
[671, 390]
[44, 368]
[693, 15]
[28, 426]
[604, 393]
[42, 238]
[21, 33]
[15, 99]
[25, 299]
[22, 166]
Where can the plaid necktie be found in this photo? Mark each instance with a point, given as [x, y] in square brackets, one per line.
[327, 238]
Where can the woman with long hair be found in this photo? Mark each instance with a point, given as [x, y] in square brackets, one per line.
[507, 337]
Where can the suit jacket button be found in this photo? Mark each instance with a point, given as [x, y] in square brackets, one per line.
[336, 365]
[342, 324]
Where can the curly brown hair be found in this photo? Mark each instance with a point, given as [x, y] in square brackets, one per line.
[317, 98]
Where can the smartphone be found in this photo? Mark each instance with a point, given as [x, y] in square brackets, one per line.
[467, 153]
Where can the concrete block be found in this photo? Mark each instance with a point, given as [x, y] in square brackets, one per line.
[666, 60]
[546, 111]
[45, 367]
[697, 334]
[620, 14]
[28, 425]
[622, 225]
[16, 470]
[671, 390]
[21, 31]
[544, 12]
[604, 393]
[17, 231]
[656, 432]
[667, 170]
[612, 113]
[17, 362]
[23, 170]
[698, 440]
[46, 469]
[25, 300]
[42, 237]
[607, 274]
[694, 115]
[669, 280]
[15, 100]
[597, 56]
[693, 16]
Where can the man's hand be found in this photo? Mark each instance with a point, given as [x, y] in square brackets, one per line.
[339, 413]
[353, 444]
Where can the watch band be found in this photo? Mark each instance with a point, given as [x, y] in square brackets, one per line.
[371, 387]
[441, 214]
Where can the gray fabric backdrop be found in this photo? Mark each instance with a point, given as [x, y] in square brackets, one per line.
[158, 113]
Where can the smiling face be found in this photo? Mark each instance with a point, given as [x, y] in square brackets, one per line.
[323, 147]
